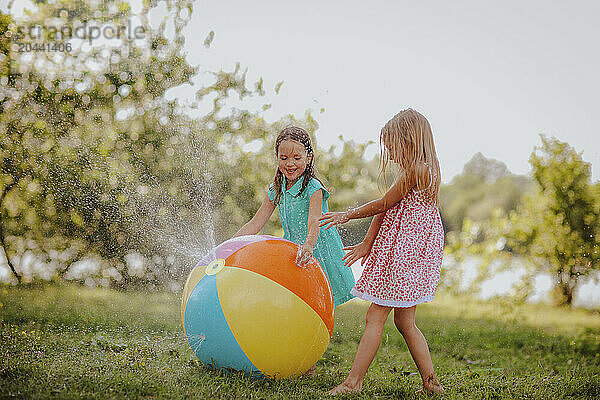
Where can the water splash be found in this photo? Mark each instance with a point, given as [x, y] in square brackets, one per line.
[196, 341]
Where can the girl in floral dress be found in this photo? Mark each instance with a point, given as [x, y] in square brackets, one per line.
[403, 247]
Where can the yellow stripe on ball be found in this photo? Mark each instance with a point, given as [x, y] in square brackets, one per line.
[280, 334]
[197, 273]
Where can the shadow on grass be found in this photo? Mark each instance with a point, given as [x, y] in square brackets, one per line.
[67, 341]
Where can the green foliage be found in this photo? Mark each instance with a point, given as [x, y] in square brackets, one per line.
[96, 164]
[68, 152]
[484, 186]
[352, 181]
[556, 227]
[559, 227]
[131, 345]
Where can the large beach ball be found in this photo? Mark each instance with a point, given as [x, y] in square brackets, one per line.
[248, 307]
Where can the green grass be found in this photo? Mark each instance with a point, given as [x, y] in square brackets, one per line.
[75, 342]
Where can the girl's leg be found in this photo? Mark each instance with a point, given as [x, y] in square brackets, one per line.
[404, 319]
[367, 348]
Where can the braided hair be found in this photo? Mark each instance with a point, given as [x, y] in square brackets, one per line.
[299, 135]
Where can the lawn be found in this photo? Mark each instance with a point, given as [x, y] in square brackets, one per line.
[64, 341]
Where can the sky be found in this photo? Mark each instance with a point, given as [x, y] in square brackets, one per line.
[491, 77]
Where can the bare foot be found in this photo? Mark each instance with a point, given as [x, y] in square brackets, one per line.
[312, 372]
[432, 386]
[343, 388]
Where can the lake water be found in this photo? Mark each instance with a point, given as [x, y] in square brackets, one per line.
[502, 283]
[587, 295]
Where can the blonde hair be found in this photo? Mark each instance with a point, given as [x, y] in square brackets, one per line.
[407, 140]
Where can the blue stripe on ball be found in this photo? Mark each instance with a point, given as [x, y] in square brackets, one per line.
[207, 331]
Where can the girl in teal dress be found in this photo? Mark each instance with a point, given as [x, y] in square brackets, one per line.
[302, 200]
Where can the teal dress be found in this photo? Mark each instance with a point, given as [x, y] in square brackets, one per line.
[293, 213]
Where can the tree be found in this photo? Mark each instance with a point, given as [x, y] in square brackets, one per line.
[555, 228]
[96, 162]
[79, 127]
[559, 226]
[483, 186]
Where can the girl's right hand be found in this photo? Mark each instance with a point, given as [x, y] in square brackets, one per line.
[333, 218]
[304, 256]
[357, 252]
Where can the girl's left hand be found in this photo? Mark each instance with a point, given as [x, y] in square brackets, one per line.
[304, 255]
[357, 252]
[333, 218]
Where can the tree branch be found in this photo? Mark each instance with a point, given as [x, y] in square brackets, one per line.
[5, 191]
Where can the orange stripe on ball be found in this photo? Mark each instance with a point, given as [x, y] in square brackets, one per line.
[275, 259]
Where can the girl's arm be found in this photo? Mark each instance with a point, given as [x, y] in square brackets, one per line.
[259, 220]
[363, 249]
[315, 207]
[393, 195]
